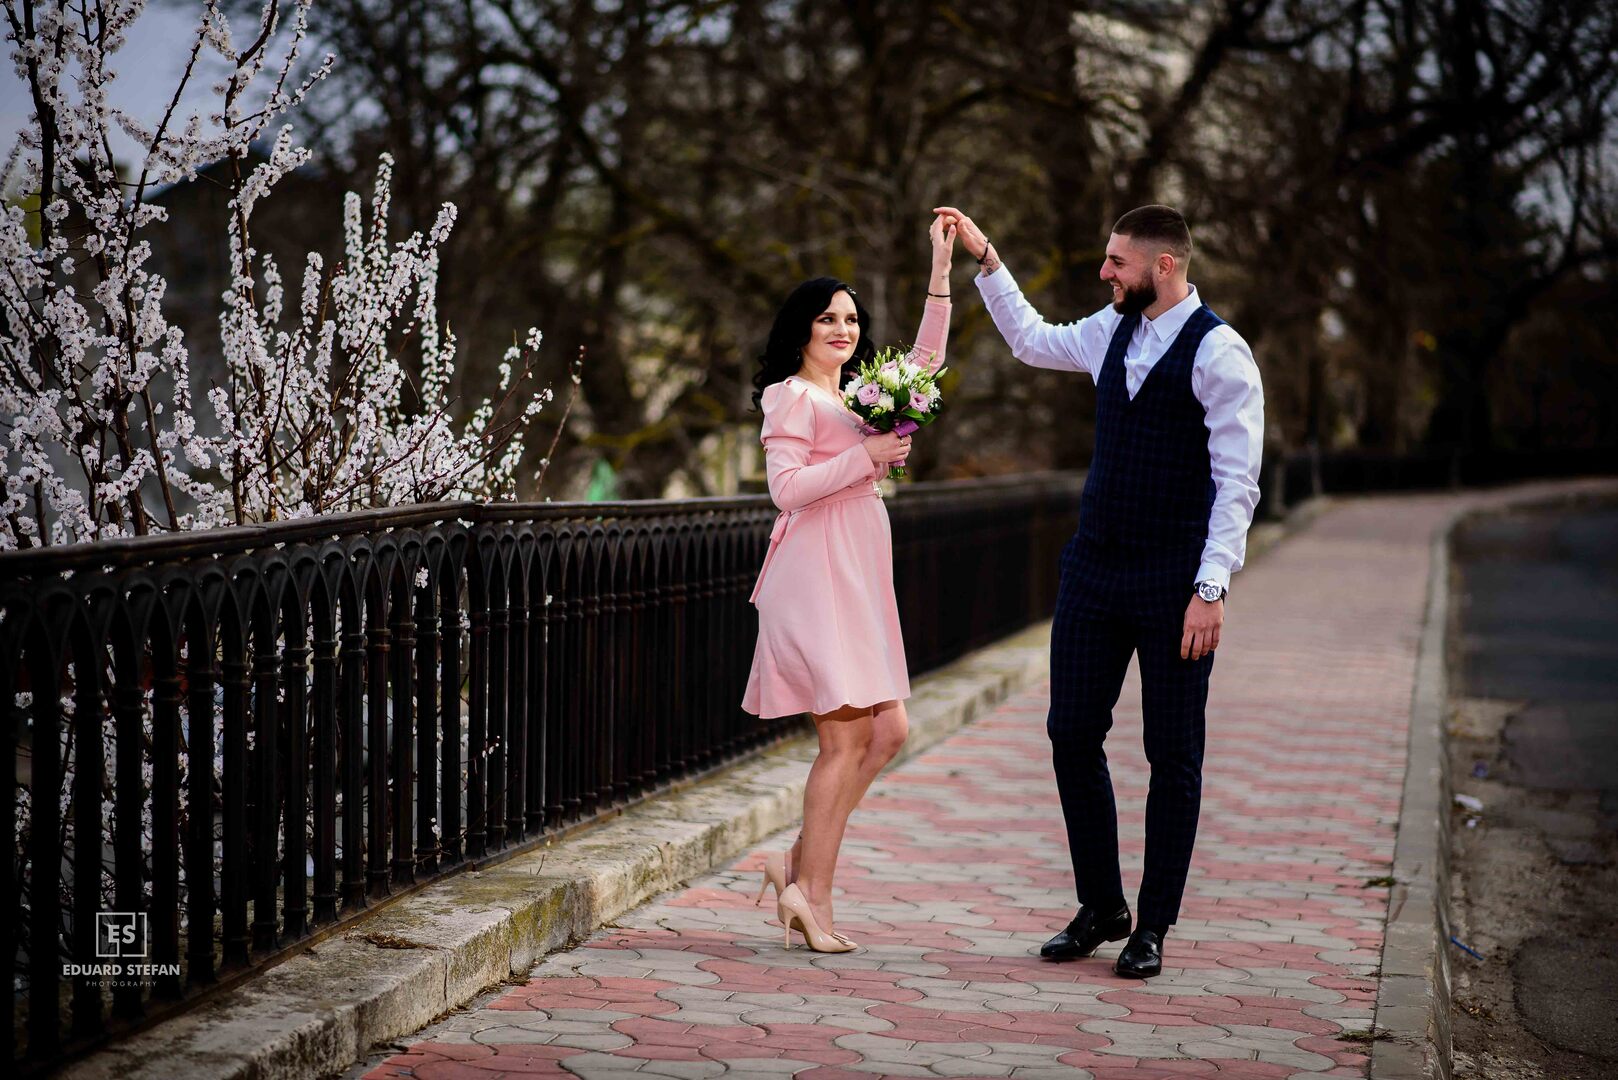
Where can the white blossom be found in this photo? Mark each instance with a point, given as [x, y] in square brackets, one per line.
[313, 412]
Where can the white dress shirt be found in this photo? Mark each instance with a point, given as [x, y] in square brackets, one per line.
[1224, 379]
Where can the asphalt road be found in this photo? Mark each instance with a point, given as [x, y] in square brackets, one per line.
[1537, 631]
[1539, 623]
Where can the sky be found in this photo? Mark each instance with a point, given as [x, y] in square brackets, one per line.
[148, 67]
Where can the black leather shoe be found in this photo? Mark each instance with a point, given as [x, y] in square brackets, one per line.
[1086, 933]
[1142, 957]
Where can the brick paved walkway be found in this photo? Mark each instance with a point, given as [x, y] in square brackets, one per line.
[955, 869]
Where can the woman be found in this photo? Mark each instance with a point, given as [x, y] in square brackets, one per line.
[828, 640]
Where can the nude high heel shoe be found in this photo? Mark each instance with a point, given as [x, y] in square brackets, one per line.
[793, 909]
[775, 873]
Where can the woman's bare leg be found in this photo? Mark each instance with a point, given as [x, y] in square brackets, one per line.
[889, 726]
[845, 740]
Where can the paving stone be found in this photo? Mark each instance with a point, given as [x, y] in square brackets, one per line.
[890, 1068]
[601, 1016]
[767, 1017]
[683, 1070]
[774, 1001]
[1216, 1050]
[605, 1041]
[596, 1066]
[755, 1066]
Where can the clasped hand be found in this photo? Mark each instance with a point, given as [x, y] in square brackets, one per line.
[972, 238]
[942, 234]
[887, 447]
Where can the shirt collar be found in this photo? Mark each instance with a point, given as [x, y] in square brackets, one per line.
[1166, 325]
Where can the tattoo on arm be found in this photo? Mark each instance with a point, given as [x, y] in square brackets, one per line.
[991, 264]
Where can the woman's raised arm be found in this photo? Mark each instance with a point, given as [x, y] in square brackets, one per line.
[933, 334]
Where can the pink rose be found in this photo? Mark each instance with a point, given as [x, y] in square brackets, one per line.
[869, 393]
[921, 402]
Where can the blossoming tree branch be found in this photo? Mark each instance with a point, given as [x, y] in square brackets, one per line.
[97, 403]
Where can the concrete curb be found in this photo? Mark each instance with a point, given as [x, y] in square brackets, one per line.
[1412, 1024]
[323, 1009]
[1413, 1003]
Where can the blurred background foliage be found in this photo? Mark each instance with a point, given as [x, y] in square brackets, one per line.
[1407, 208]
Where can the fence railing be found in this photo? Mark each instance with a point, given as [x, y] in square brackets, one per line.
[228, 743]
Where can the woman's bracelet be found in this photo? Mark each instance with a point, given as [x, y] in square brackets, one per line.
[940, 295]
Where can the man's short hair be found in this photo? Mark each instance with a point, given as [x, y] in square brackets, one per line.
[1161, 226]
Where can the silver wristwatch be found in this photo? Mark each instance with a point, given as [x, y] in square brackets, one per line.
[1211, 591]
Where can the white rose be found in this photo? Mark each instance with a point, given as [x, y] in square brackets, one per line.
[886, 402]
[910, 371]
[888, 380]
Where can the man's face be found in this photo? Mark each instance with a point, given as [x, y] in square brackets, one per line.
[1128, 269]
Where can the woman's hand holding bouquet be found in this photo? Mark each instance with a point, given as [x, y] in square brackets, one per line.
[894, 393]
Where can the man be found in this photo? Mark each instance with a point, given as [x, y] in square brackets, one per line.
[1162, 526]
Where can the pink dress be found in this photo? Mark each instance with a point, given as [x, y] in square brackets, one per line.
[828, 623]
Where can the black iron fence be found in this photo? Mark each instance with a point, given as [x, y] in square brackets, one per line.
[229, 743]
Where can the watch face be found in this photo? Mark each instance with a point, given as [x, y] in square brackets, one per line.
[1209, 591]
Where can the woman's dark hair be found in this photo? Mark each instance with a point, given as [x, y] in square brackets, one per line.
[783, 353]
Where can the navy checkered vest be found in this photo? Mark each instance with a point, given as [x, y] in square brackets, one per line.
[1150, 486]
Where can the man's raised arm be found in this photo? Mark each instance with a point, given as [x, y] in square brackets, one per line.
[1075, 346]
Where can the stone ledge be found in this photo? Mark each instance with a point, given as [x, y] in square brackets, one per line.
[322, 1010]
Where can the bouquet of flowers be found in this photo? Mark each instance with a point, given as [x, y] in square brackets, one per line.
[893, 393]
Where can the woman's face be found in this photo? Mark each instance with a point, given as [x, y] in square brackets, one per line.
[834, 333]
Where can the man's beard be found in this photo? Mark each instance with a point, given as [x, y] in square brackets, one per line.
[1137, 298]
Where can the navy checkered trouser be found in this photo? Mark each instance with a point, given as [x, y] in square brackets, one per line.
[1114, 603]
